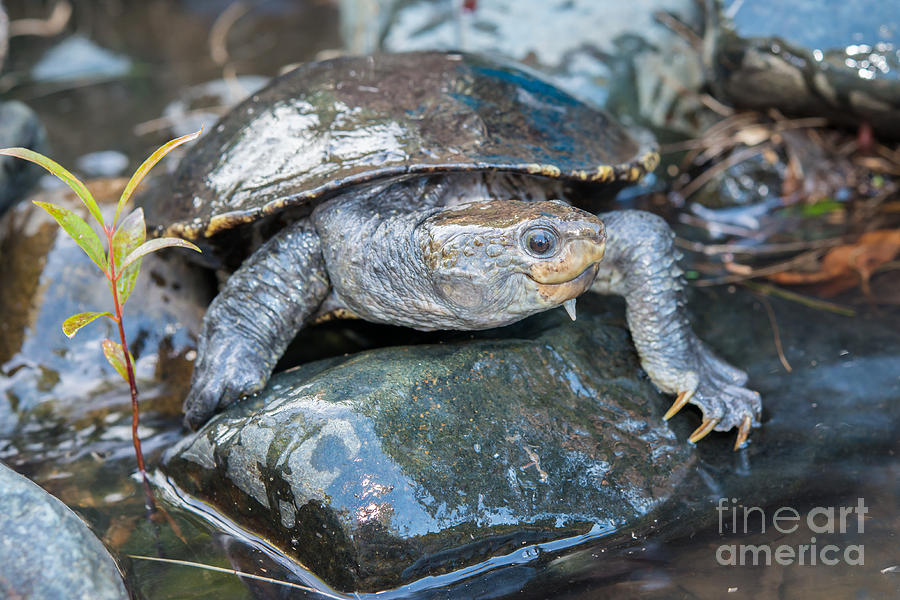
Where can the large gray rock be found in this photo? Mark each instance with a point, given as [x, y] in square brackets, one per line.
[46, 551]
[395, 464]
[829, 425]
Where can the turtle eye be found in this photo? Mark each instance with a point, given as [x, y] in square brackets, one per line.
[541, 242]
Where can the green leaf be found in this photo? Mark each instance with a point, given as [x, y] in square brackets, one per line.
[147, 165]
[116, 357]
[71, 325]
[127, 238]
[79, 231]
[821, 207]
[154, 245]
[54, 167]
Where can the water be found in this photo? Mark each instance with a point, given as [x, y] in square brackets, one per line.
[86, 459]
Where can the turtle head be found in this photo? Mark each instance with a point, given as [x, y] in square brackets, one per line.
[499, 261]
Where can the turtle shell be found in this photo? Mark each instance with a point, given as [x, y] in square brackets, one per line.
[336, 123]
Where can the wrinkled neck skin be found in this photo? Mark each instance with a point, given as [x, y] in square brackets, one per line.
[387, 264]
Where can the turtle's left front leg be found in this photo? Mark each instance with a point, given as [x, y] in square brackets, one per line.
[250, 323]
[640, 264]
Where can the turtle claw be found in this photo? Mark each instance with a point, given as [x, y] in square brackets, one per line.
[680, 402]
[743, 432]
[701, 378]
[701, 432]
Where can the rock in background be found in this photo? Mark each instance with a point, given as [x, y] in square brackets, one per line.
[19, 126]
[619, 55]
[835, 59]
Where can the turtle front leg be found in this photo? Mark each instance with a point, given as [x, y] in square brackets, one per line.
[639, 264]
[250, 323]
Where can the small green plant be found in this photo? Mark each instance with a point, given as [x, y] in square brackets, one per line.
[126, 244]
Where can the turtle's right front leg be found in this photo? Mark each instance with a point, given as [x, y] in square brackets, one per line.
[640, 264]
[250, 323]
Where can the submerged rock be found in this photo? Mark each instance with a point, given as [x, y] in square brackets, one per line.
[395, 464]
[46, 277]
[47, 551]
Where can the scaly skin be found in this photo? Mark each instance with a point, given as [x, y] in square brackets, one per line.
[450, 253]
[252, 320]
[676, 360]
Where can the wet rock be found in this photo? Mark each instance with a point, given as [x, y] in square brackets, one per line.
[47, 551]
[19, 126]
[45, 377]
[77, 57]
[829, 437]
[395, 464]
[834, 59]
[620, 56]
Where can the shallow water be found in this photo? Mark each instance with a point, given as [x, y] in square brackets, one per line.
[88, 462]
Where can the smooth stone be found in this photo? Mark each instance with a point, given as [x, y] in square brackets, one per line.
[77, 57]
[388, 466]
[824, 25]
[46, 377]
[19, 126]
[46, 551]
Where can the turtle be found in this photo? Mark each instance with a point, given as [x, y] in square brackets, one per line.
[432, 190]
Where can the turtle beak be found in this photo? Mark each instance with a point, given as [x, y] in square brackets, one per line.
[555, 294]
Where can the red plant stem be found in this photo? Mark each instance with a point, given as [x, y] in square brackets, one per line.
[128, 366]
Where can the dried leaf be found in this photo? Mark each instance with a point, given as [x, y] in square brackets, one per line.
[71, 325]
[848, 265]
[79, 231]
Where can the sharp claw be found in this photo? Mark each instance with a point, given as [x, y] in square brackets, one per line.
[682, 399]
[701, 432]
[743, 432]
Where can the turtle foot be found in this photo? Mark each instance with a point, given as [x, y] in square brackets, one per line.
[221, 377]
[716, 388]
